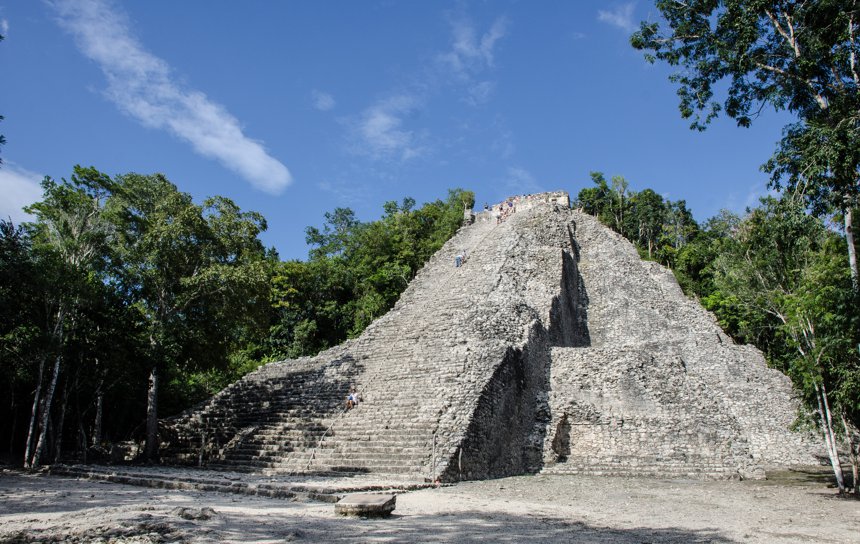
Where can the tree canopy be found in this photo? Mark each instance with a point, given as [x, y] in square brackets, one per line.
[126, 293]
[190, 272]
[789, 54]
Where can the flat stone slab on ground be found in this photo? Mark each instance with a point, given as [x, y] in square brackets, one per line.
[366, 504]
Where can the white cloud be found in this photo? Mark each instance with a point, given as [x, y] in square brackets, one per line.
[141, 85]
[19, 188]
[379, 132]
[469, 53]
[322, 101]
[4, 27]
[620, 16]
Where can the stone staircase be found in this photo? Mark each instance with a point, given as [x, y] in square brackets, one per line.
[554, 347]
[314, 488]
[421, 370]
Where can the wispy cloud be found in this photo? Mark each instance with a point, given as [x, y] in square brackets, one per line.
[470, 53]
[620, 16]
[322, 101]
[142, 86]
[385, 131]
[19, 188]
[739, 202]
[380, 132]
[4, 27]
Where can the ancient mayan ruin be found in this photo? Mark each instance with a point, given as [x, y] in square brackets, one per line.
[553, 348]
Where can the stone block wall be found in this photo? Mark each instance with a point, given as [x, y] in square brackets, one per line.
[506, 432]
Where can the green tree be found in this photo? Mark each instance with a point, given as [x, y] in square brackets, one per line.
[313, 303]
[649, 214]
[679, 228]
[694, 259]
[617, 204]
[782, 269]
[789, 54]
[337, 233]
[70, 236]
[21, 335]
[190, 271]
[595, 200]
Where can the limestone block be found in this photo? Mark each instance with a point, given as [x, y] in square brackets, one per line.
[366, 504]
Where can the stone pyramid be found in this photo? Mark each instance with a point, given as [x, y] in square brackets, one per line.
[553, 348]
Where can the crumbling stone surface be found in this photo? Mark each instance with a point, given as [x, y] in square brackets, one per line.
[661, 390]
[552, 347]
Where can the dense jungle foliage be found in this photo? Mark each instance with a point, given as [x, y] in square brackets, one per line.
[125, 300]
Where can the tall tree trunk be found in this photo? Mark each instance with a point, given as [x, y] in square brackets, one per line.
[852, 249]
[151, 450]
[61, 421]
[82, 440]
[829, 437]
[57, 341]
[28, 448]
[97, 424]
[46, 413]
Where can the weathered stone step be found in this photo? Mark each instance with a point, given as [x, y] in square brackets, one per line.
[210, 480]
[370, 456]
[656, 471]
[344, 468]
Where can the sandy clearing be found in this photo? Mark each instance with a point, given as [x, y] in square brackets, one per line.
[37, 508]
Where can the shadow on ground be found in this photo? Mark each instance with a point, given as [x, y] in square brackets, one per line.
[466, 527]
[483, 526]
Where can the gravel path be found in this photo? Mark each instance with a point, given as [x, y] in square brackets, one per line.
[541, 508]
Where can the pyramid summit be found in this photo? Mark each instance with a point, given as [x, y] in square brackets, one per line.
[552, 347]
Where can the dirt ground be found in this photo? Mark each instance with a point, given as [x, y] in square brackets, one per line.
[533, 509]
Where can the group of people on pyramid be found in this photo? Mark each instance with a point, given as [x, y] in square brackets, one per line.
[504, 209]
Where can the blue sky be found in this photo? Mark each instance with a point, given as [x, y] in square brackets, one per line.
[294, 108]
